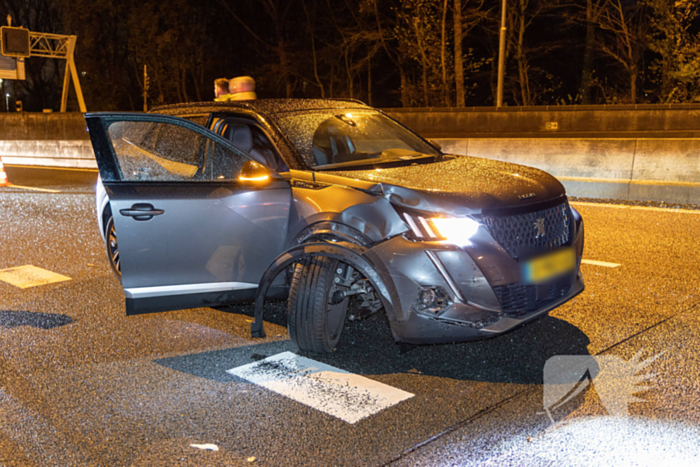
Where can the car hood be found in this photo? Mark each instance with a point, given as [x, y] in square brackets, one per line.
[457, 184]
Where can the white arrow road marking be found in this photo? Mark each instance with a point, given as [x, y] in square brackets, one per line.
[600, 263]
[333, 391]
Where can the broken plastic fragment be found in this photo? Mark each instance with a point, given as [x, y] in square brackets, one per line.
[206, 447]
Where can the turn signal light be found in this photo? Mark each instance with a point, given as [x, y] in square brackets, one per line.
[261, 178]
[254, 172]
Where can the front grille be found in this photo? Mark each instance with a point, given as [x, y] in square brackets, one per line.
[531, 233]
[517, 299]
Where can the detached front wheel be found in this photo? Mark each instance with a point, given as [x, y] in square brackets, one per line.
[315, 320]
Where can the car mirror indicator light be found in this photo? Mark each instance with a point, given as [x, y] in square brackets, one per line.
[254, 172]
[260, 178]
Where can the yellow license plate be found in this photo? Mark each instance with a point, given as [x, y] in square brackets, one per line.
[549, 266]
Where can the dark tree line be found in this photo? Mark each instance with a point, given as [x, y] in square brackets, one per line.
[384, 52]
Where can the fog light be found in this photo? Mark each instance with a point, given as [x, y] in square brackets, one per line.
[432, 300]
[426, 297]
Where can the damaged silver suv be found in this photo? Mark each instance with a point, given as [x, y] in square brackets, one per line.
[332, 204]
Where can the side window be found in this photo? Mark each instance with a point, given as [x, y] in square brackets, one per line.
[252, 140]
[157, 151]
[161, 151]
[226, 164]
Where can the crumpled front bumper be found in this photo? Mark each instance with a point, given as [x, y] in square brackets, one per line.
[469, 323]
[469, 274]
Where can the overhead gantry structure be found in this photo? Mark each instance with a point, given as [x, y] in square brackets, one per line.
[22, 43]
[61, 47]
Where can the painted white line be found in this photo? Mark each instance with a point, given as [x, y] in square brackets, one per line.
[30, 276]
[637, 208]
[33, 188]
[600, 263]
[330, 390]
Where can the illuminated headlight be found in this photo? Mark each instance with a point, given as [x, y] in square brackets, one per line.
[457, 230]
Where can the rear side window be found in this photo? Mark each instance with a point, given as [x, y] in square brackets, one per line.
[159, 151]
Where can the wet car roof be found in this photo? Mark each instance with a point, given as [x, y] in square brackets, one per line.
[263, 106]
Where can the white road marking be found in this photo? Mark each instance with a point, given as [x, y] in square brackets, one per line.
[331, 390]
[30, 276]
[637, 208]
[33, 188]
[600, 263]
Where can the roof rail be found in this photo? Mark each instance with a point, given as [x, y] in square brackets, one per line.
[357, 101]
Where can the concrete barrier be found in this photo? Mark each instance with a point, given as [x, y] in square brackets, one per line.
[58, 153]
[629, 169]
[644, 152]
[45, 140]
[582, 121]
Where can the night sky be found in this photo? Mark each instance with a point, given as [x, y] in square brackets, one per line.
[389, 53]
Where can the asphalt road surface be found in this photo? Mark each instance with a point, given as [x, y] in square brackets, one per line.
[82, 384]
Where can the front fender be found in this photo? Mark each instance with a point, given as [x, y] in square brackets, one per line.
[369, 214]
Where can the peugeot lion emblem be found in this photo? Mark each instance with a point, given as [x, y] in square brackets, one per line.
[539, 225]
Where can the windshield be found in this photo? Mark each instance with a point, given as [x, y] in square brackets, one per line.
[338, 137]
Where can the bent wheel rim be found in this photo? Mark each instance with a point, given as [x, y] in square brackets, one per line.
[113, 248]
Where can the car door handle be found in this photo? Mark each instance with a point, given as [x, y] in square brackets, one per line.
[141, 212]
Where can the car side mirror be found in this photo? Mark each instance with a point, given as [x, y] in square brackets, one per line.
[435, 144]
[255, 173]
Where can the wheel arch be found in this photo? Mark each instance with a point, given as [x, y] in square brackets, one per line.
[348, 253]
[333, 230]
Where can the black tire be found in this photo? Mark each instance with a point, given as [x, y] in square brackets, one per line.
[313, 323]
[113, 248]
